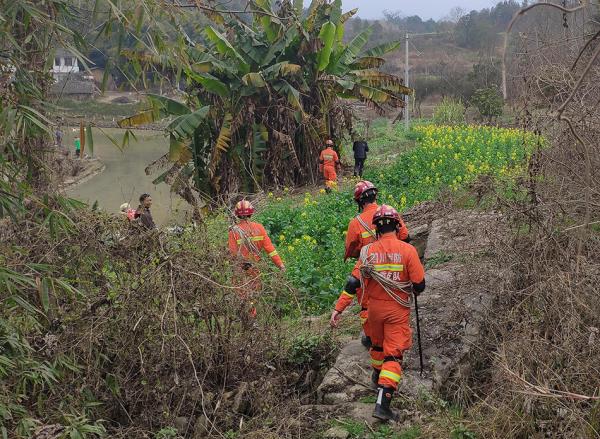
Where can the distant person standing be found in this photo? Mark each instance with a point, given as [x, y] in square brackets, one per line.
[328, 163]
[58, 134]
[77, 143]
[360, 148]
[143, 212]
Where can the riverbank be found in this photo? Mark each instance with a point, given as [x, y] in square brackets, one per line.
[91, 168]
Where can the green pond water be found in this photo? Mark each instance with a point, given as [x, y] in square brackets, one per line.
[124, 179]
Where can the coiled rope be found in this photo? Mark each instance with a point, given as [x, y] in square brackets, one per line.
[390, 286]
[246, 241]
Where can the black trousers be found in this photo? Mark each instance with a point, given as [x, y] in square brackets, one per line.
[358, 166]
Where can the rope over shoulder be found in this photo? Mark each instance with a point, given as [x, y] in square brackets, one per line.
[247, 241]
[367, 270]
[366, 226]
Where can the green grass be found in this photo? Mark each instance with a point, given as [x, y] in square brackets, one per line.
[358, 430]
[310, 233]
[438, 259]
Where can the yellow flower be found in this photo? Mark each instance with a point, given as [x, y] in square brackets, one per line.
[322, 191]
[270, 194]
[286, 189]
[278, 198]
[282, 238]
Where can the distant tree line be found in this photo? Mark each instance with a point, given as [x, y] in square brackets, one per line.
[470, 30]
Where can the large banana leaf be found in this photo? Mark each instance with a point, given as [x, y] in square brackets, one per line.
[327, 36]
[381, 80]
[313, 10]
[348, 15]
[281, 69]
[212, 84]
[254, 79]
[186, 125]
[224, 47]
[179, 150]
[382, 49]
[352, 49]
[143, 118]
[222, 143]
[378, 96]
[292, 94]
[167, 106]
[336, 12]
[283, 44]
[367, 62]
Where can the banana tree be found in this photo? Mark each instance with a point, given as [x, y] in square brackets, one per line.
[262, 94]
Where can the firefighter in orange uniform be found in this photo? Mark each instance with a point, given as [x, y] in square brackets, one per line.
[390, 270]
[246, 240]
[361, 232]
[328, 163]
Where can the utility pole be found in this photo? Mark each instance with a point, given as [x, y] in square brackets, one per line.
[406, 73]
[406, 83]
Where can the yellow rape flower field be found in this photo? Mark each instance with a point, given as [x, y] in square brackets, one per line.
[311, 235]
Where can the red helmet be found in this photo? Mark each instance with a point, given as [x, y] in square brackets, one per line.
[244, 208]
[384, 212]
[362, 187]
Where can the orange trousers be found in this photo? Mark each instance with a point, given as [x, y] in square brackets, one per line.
[389, 324]
[330, 175]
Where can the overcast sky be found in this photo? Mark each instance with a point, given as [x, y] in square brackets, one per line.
[425, 8]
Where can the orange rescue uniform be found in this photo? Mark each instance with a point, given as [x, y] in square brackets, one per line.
[329, 158]
[256, 233]
[389, 321]
[357, 237]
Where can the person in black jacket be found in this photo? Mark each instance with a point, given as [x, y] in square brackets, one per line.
[143, 212]
[360, 149]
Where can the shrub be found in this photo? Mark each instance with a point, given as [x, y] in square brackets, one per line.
[488, 102]
[449, 112]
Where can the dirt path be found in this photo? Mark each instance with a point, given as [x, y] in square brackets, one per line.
[456, 301]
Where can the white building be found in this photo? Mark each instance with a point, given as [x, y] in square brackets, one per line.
[65, 63]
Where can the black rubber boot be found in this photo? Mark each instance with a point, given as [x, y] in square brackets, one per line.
[365, 340]
[382, 407]
[375, 378]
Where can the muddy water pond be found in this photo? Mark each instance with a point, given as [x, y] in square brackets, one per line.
[124, 179]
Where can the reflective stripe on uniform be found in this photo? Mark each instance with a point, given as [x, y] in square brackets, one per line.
[346, 293]
[328, 157]
[252, 238]
[389, 375]
[389, 267]
[376, 362]
[273, 253]
[368, 234]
